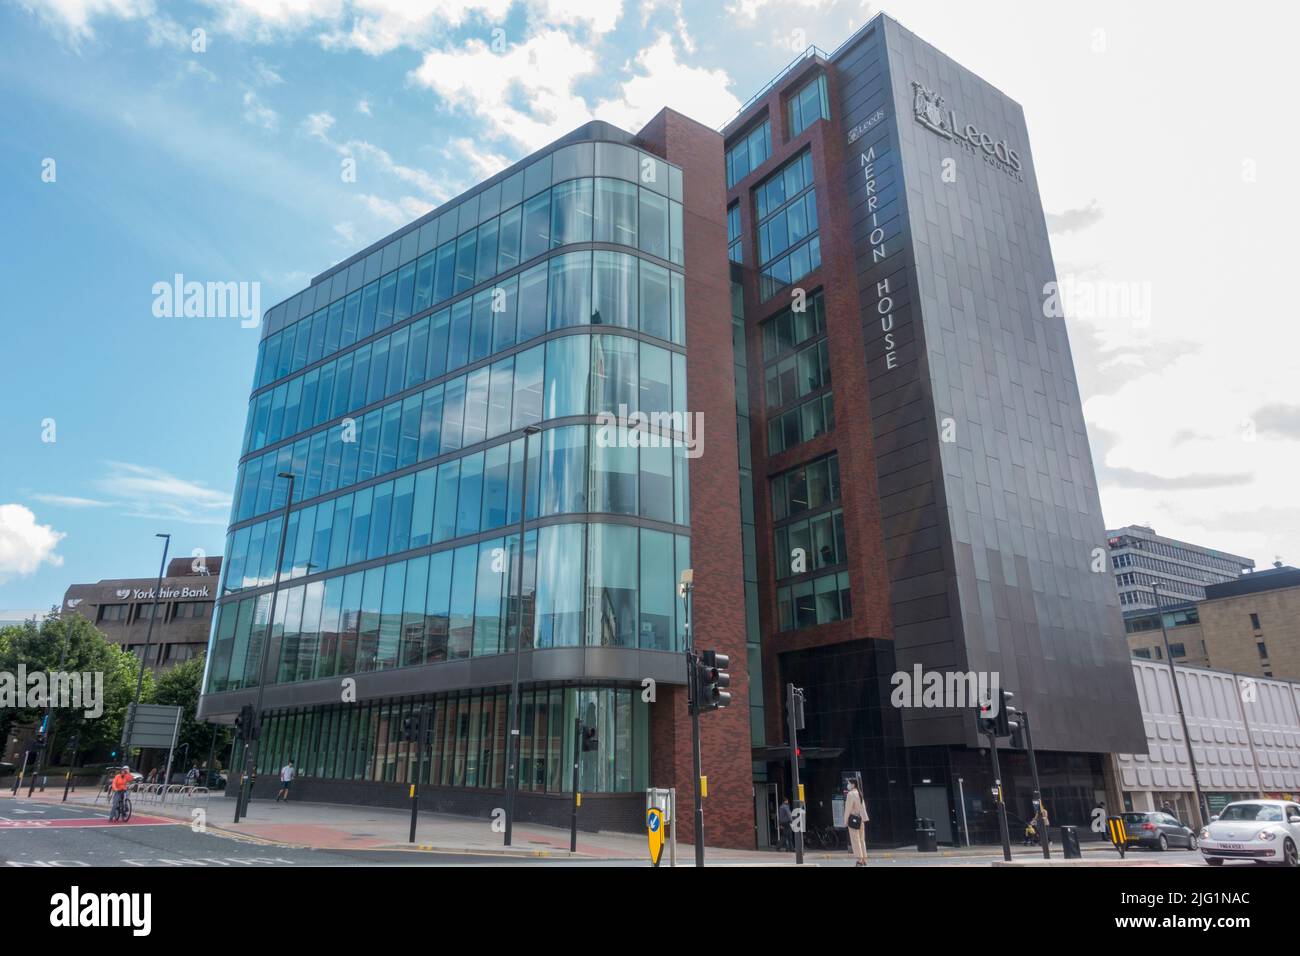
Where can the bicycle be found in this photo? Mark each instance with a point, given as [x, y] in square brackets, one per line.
[825, 838]
[121, 811]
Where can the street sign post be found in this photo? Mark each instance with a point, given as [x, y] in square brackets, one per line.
[654, 825]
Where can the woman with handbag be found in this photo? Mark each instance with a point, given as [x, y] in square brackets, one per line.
[855, 815]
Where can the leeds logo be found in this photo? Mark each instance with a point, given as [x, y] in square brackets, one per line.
[927, 105]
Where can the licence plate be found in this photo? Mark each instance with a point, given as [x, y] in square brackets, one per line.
[1232, 846]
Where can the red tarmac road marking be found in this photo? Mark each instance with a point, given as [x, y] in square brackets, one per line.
[82, 823]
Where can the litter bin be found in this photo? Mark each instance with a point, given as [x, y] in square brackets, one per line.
[1070, 844]
[925, 836]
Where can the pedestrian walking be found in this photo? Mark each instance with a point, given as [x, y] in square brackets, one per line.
[286, 780]
[855, 815]
[783, 818]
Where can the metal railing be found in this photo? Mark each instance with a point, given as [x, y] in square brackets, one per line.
[157, 793]
[811, 50]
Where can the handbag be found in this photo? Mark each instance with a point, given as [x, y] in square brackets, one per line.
[855, 821]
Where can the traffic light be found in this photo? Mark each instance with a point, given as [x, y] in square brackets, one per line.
[246, 724]
[1006, 718]
[1003, 723]
[711, 679]
[410, 728]
[590, 741]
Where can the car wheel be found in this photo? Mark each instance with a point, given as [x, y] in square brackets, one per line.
[1193, 843]
[1214, 860]
[1289, 855]
[1163, 843]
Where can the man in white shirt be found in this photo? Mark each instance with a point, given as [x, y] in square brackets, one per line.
[286, 779]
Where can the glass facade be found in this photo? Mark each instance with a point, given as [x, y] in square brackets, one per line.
[396, 390]
[749, 152]
[468, 730]
[807, 105]
[796, 358]
[788, 243]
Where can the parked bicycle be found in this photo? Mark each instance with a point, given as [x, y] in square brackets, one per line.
[824, 838]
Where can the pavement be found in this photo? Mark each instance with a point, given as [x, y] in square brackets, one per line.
[375, 830]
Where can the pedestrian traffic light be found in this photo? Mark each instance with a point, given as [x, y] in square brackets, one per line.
[712, 679]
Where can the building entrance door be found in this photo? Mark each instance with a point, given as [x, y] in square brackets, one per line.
[765, 807]
[932, 802]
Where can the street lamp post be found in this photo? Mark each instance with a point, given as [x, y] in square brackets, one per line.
[148, 639]
[251, 753]
[1202, 813]
[512, 743]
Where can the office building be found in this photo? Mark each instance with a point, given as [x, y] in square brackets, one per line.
[1252, 625]
[846, 287]
[1140, 558]
[121, 608]
[1183, 627]
[582, 289]
[924, 495]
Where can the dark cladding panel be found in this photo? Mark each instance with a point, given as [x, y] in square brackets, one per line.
[904, 436]
[1004, 453]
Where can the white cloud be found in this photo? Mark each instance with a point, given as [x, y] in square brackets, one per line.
[599, 16]
[525, 94]
[69, 501]
[370, 157]
[363, 106]
[747, 11]
[73, 18]
[398, 213]
[24, 544]
[258, 113]
[528, 93]
[265, 76]
[660, 80]
[483, 163]
[143, 491]
[318, 125]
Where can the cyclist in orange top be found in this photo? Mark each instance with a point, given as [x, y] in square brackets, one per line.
[119, 786]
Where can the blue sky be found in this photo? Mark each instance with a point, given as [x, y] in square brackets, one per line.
[223, 164]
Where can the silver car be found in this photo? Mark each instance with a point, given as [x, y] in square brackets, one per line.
[1266, 831]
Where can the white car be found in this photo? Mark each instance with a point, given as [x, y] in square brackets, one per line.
[1266, 831]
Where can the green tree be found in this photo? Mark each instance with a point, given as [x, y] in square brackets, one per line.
[180, 687]
[40, 646]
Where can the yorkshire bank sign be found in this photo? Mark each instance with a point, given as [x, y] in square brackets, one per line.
[928, 106]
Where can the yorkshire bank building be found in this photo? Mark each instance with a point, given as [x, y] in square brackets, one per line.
[837, 398]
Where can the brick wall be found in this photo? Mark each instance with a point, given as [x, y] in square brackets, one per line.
[718, 613]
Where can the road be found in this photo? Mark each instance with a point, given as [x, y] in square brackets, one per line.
[69, 836]
[56, 835]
